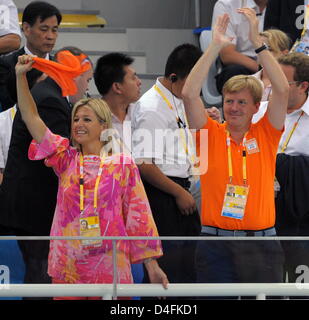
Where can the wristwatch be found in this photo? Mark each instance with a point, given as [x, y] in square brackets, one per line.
[260, 49]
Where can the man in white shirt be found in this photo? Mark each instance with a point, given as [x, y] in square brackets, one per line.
[6, 122]
[292, 208]
[240, 56]
[40, 24]
[119, 85]
[161, 150]
[10, 36]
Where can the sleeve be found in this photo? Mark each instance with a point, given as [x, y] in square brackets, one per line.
[54, 149]
[144, 142]
[7, 84]
[54, 115]
[221, 8]
[9, 19]
[138, 217]
[1, 153]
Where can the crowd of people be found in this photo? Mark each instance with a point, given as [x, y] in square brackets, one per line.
[126, 165]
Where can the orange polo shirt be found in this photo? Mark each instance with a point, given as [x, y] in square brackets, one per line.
[260, 208]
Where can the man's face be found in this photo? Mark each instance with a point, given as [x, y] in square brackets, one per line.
[239, 108]
[130, 87]
[82, 83]
[41, 37]
[296, 93]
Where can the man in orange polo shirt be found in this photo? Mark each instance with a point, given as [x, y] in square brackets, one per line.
[241, 158]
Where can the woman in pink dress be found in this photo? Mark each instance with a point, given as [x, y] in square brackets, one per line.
[99, 194]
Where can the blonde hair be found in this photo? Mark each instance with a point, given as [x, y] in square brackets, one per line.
[101, 110]
[242, 82]
[278, 41]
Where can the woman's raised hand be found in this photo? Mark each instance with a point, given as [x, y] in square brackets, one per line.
[24, 64]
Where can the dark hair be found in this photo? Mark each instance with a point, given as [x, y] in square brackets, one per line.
[181, 60]
[109, 69]
[40, 10]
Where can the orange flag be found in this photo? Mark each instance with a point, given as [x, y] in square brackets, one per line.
[65, 70]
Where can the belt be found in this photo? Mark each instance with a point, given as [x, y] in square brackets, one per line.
[238, 233]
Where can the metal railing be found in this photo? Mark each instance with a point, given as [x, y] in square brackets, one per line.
[114, 290]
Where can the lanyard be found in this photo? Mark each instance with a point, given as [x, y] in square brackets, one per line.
[13, 112]
[178, 120]
[285, 145]
[81, 184]
[244, 158]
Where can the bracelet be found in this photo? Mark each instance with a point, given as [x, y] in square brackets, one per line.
[148, 260]
[260, 49]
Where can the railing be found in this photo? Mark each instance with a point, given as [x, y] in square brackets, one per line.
[112, 291]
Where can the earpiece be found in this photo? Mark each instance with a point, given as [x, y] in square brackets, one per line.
[173, 78]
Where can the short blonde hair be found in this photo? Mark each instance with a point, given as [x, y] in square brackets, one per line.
[242, 82]
[101, 110]
[278, 41]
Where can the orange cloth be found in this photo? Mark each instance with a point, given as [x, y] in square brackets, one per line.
[65, 70]
[260, 208]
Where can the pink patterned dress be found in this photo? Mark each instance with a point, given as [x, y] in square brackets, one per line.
[123, 210]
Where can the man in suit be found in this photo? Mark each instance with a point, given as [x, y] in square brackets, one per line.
[285, 15]
[29, 189]
[40, 24]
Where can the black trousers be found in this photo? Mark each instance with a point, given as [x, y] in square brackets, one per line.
[178, 260]
[35, 256]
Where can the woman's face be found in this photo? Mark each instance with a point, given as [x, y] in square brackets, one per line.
[86, 127]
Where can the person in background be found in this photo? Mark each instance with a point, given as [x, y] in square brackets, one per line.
[292, 166]
[239, 56]
[287, 16]
[40, 23]
[10, 36]
[278, 44]
[120, 87]
[166, 165]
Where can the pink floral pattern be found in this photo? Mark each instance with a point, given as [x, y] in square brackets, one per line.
[123, 211]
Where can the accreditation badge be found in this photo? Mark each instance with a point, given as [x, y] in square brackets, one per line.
[252, 146]
[90, 227]
[235, 200]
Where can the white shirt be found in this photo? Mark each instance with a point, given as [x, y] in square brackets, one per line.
[8, 18]
[6, 122]
[156, 134]
[123, 135]
[266, 90]
[27, 51]
[299, 142]
[238, 27]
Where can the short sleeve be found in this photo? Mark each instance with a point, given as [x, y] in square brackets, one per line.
[9, 19]
[54, 149]
[138, 217]
[221, 8]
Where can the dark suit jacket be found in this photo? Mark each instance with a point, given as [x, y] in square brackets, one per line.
[281, 14]
[292, 205]
[8, 95]
[29, 188]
